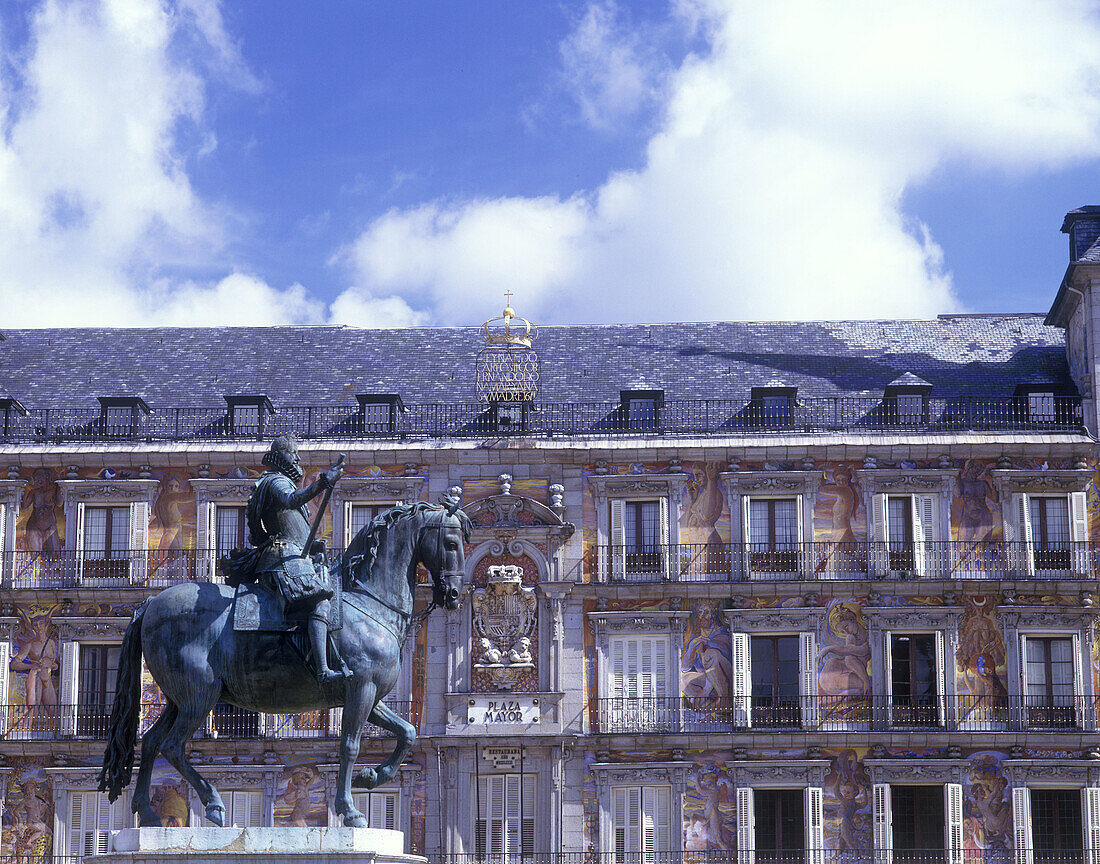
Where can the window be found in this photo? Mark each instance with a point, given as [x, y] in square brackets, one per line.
[915, 676]
[243, 808]
[500, 830]
[910, 408]
[638, 684]
[641, 823]
[229, 721]
[92, 818]
[1040, 407]
[97, 670]
[247, 414]
[904, 534]
[1048, 533]
[642, 407]
[509, 416]
[774, 679]
[773, 532]
[358, 515]
[380, 808]
[639, 534]
[119, 416]
[918, 824]
[378, 412]
[1051, 670]
[106, 543]
[776, 410]
[1055, 826]
[780, 826]
[230, 529]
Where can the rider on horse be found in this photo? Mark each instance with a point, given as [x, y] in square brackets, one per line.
[278, 528]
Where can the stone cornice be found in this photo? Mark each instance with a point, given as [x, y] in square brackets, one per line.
[215, 489]
[913, 617]
[758, 620]
[606, 486]
[1009, 480]
[770, 482]
[774, 772]
[108, 490]
[905, 480]
[638, 621]
[80, 629]
[11, 492]
[901, 770]
[381, 489]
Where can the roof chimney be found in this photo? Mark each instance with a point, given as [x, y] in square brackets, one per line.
[1083, 227]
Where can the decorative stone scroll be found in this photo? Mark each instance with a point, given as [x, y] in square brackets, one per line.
[504, 618]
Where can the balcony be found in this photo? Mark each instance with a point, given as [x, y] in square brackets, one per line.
[816, 415]
[860, 559]
[761, 856]
[54, 722]
[857, 713]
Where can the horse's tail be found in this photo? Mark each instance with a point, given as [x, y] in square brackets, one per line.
[118, 759]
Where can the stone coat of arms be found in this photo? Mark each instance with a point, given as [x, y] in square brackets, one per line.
[504, 617]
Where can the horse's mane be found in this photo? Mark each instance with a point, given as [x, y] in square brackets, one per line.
[363, 549]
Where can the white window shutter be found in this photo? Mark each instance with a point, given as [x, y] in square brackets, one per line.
[617, 539]
[1020, 522]
[661, 688]
[883, 825]
[616, 679]
[746, 827]
[815, 825]
[944, 666]
[668, 571]
[5, 662]
[953, 810]
[746, 536]
[4, 553]
[348, 521]
[656, 827]
[1090, 803]
[139, 540]
[76, 823]
[925, 533]
[78, 545]
[880, 558]
[1078, 682]
[1079, 531]
[1021, 825]
[742, 680]
[888, 665]
[619, 805]
[206, 541]
[70, 654]
[335, 721]
[805, 556]
[807, 677]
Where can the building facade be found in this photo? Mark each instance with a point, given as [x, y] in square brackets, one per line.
[773, 592]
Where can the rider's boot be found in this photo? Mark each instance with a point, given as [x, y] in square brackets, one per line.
[318, 639]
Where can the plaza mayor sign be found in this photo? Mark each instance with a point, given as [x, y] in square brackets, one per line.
[503, 711]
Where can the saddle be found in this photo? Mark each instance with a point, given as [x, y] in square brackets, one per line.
[257, 607]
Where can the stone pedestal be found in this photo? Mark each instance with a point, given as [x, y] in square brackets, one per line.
[256, 845]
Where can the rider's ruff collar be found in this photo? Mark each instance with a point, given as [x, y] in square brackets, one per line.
[274, 458]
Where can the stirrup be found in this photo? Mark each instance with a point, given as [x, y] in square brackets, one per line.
[325, 676]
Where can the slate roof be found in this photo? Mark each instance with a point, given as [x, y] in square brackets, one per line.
[960, 355]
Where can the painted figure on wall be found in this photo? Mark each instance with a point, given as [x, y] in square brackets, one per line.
[707, 668]
[988, 811]
[167, 529]
[838, 508]
[700, 522]
[972, 510]
[848, 785]
[981, 657]
[714, 797]
[36, 655]
[31, 825]
[42, 504]
[301, 804]
[845, 656]
[170, 804]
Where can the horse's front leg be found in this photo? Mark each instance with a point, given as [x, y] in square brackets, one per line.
[357, 707]
[383, 716]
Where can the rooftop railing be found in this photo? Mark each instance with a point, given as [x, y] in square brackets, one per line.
[766, 855]
[858, 559]
[847, 713]
[812, 415]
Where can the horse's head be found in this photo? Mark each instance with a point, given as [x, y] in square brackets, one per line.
[441, 548]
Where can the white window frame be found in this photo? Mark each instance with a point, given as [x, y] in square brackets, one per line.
[882, 816]
[1023, 843]
[1014, 489]
[744, 485]
[1081, 681]
[374, 492]
[607, 488]
[640, 700]
[138, 495]
[210, 493]
[69, 675]
[924, 515]
[615, 553]
[940, 659]
[248, 800]
[374, 805]
[526, 782]
[646, 799]
[741, 660]
[346, 517]
[803, 533]
[813, 844]
[11, 495]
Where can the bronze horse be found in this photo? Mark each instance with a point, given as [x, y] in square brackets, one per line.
[195, 656]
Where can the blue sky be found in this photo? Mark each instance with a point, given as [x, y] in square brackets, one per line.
[386, 164]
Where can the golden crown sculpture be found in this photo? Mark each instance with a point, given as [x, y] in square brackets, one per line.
[520, 337]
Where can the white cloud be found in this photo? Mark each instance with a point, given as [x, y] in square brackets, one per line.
[607, 67]
[774, 185]
[358, 308]
[95, 196]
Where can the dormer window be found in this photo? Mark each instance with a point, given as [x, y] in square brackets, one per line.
[10, 409]
[773, 403]
[509, 416]
[905, 400]
[119, 416]
[642, 407]
[1045, 403]
[378, 412]
[247, 414]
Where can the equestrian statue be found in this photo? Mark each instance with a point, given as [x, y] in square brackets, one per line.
[202, 645]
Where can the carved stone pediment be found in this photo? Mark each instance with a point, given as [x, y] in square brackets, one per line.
[1011, 480]
[504, 616]
[917, 770]
[208, 489]
[809, 772]
[516, 512]
[769, 482]
[878, 480]
[606, 486]
[107, 490]
[1058, 772]
[776, 620]
[610, 774]
[84, 629]
[404, 489]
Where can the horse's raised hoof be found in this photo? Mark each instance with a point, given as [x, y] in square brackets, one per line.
[365, 779]
[216, 814]
[148, 818]
[355, 820]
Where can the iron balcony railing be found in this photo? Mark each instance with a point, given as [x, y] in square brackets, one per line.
[92, 721]
[895, 855]
[859, 559]
[475, 419]
[848, 713]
